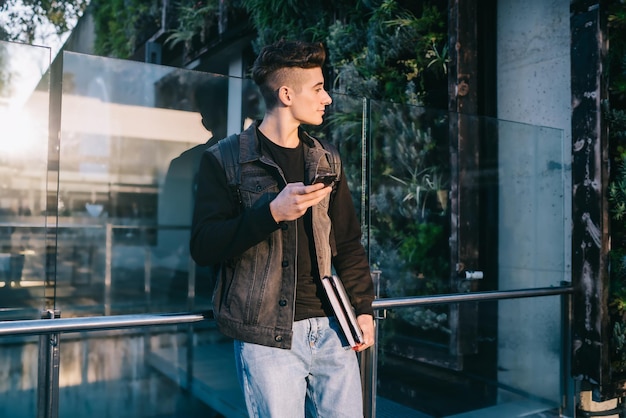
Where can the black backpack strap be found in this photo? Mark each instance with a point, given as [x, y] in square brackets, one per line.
[229, 151]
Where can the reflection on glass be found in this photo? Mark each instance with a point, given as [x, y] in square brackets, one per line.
[505, 371]
[19, 385]
[520, 236]
[343, 126]
[530, 190]
[137, 374]
[24, 102]
[132, 135]
[409, 199]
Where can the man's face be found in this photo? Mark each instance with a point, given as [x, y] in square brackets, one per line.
[309, 97]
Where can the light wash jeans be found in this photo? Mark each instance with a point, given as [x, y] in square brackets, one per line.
[318, 377]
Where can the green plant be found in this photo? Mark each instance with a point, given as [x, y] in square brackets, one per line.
[122, 25]
[24, 20]
[397, 54]
[615, 116]
[409, 233]
[195, 18]
[619, 345]
[617, 257]
[422, 186]
[293, 19]
[617, 195]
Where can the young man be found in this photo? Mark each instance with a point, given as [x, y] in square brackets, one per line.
[275, 235]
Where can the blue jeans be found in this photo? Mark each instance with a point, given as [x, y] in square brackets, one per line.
[318, 377]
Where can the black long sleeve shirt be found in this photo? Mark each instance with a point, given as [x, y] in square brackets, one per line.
[221, 231]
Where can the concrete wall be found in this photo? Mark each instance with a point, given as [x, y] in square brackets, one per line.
[83, 36]
[533, 84]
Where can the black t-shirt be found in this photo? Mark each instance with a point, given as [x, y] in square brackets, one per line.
[310, 301]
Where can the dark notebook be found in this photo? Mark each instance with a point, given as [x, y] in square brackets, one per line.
[343, 310]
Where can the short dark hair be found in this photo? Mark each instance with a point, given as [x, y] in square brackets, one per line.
[280, 55]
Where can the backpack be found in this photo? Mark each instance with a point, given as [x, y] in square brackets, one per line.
[229, 150]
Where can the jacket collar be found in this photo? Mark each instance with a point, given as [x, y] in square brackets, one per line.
[250, 147]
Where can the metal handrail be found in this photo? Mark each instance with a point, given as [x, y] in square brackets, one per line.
[369, 359]
[46, 326]
[388, 303]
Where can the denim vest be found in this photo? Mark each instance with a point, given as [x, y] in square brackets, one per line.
[254, 299]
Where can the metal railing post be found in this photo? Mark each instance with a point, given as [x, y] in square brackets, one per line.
[369, 362]
[48, 376]
[191, 301]
[568, 402]
[107, 268]
[50, 331]
[147, 276]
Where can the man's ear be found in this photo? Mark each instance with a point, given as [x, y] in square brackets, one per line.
[285, 95]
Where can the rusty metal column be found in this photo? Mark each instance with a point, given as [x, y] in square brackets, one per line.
[590, 237]
[464, 163]
[48, 376]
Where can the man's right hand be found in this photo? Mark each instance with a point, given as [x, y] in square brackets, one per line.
[293, 201]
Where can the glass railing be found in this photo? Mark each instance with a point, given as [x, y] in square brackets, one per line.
[140, 366]
[505, 371]
[24, 117]
[132, 135]
[103, 218]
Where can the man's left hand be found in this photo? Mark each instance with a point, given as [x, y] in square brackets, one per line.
[366, 322]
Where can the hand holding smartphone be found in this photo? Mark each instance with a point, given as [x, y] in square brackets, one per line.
[327, 179]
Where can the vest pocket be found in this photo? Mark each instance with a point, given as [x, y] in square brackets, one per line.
[247, 286]
[257, 190]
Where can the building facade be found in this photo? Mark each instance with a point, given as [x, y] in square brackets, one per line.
[509, 314]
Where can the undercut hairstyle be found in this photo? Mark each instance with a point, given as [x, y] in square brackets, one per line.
[268, 69]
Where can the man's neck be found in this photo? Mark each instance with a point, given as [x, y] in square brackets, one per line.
[279, 131]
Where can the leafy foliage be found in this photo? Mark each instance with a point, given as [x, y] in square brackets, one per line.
[400, 56]
[122, 25]
[297, 19]
[200, 22]
[615, 117]
[28, 18]
[194, 19]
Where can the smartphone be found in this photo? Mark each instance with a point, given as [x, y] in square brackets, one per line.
[327, 179]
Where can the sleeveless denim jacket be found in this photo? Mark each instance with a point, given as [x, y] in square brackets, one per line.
[254, 299]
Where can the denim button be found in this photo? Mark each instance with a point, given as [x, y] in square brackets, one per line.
[285, 263]
[278, 338]
[282, 302]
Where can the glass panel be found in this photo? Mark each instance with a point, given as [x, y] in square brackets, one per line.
[24, 102]
[531, 211]
[18, 366]
[516, 228]
[143, 373]
[132, 135]
[410, 216]
[515, 368]
[343, 126]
